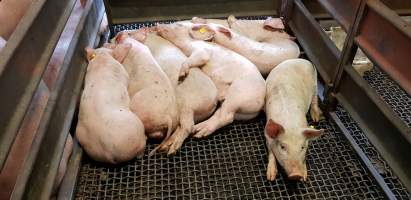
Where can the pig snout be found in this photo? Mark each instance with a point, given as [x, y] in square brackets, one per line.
[294, 170]
[297, 176]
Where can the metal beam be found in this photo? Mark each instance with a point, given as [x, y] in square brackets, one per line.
[390, 48]
[40, 168]
[342, 11]
[23, 62]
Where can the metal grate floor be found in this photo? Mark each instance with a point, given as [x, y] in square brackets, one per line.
[391, 93]
[231, 164]
[379, 163]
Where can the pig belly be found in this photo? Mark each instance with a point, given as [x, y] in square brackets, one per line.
[247, 93]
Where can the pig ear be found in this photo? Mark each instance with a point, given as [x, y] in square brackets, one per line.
[121, 37]
[198, 20]
[231, 19]
[273, 129]
[140, 34]
[202, 32]
[89, 53]
[225, 31]
[121, 51]
[311, 133]
[273, 24]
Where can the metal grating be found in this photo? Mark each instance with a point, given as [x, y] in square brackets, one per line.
[379, 163]
[231, 164]
[121, 27]
[391, 93]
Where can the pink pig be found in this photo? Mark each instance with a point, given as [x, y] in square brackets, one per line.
[241, 88]
[291, 92]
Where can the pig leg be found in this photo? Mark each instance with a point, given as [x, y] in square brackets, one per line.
[186, 127]
[244, 100]
[221, 117]
[167, 144]
[181, 133]
[272, 167]
[315, 111]
[196, 59]
[169, 130]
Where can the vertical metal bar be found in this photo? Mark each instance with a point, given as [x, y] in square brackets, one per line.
[349, 49]
[285, 10]
[107, 7]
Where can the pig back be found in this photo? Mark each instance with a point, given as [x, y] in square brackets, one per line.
[290, 86]
[168, 56]
[107, 129]
[143, 70]
[106, 81]
[228, 65]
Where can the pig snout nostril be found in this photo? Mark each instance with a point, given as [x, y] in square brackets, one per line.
[296, 176]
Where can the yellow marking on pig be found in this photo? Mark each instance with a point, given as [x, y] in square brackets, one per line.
[92, 56]
[202, 30]
[311, 126]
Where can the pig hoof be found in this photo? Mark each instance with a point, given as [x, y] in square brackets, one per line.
[175, 147]
[184, 70]
[315, 114]
[203, 130]
[271, 172]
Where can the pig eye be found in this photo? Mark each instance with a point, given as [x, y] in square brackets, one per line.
[282, 147]
[303, 147]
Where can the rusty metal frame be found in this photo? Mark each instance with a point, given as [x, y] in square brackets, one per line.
[40, 168]
[383, 127]
[23, 61]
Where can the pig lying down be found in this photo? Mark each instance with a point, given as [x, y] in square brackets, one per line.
[196, 94]
[291, 92]
[264, 55]
[107, 130]
[268, 30]
[153, 96]
[241, 88]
